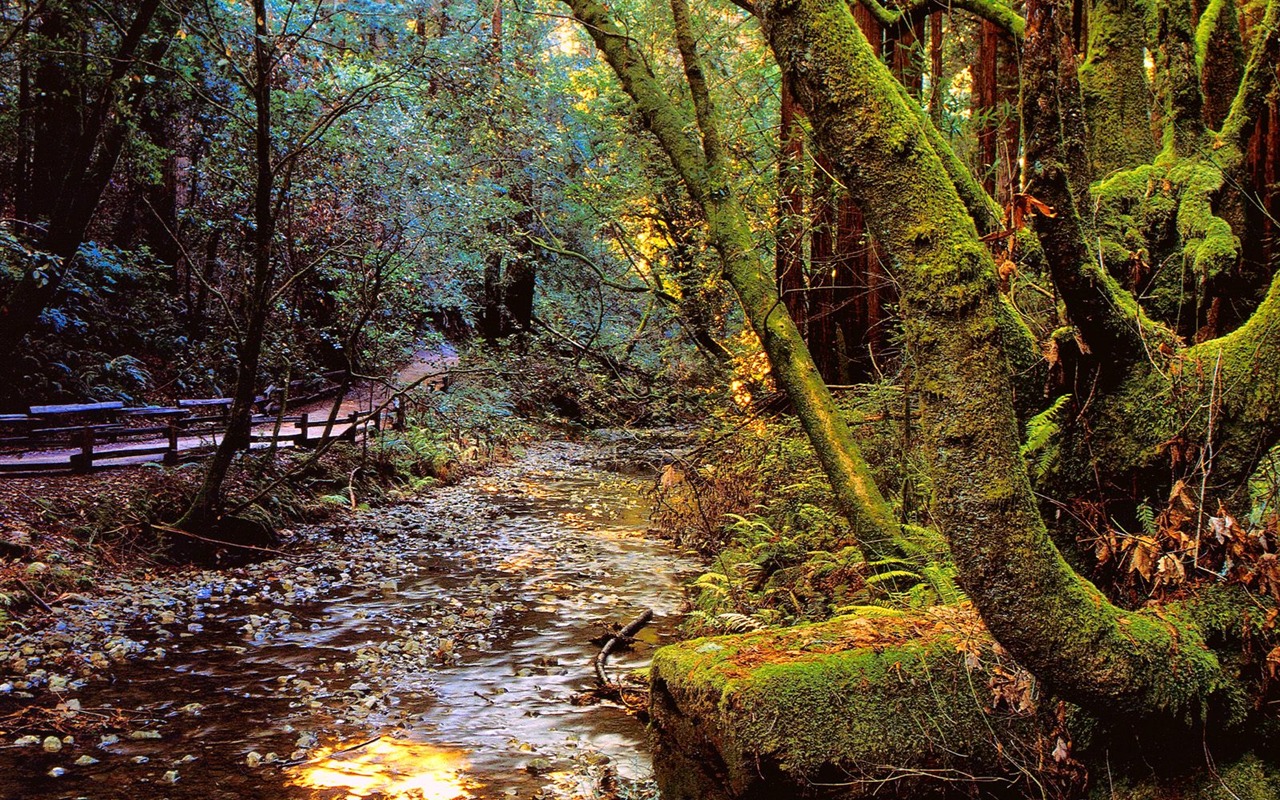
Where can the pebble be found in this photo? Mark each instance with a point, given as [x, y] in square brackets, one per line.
[85, 761]
[26, 741]
[171, 776]
[56, 772]
[51, 744]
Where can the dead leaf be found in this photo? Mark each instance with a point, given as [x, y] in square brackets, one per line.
[671, 476]
[1060, 751]
[1273, 663]
[1170, 571]
[1144, 556]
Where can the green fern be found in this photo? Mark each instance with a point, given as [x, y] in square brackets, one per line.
[1147, 518]
[942, 579]
[1040, 450]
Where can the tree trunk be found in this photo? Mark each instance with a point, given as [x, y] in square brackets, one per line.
[207, 503]
[789, 261]
[986, 92]
[1117, 92]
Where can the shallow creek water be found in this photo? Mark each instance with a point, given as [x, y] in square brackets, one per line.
[431, 649]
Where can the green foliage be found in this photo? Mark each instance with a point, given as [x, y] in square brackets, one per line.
[780, 554]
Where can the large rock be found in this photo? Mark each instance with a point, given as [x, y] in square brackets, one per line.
[877, 704]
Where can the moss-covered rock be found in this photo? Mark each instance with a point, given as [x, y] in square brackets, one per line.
[1247, 778]
[899, 704]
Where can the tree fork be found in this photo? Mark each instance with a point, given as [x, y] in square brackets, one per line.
[1054, 622]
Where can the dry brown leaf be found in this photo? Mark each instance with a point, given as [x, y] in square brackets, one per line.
[1144, 556]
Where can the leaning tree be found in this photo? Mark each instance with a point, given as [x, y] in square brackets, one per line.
[1165, 401]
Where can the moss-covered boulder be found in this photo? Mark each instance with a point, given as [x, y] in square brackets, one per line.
[1247, 778]
[877, 703]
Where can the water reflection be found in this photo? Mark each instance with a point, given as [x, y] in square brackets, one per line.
[388, 768]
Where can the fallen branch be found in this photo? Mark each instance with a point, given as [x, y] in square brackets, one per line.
[39, 600]
[180, 532]
[631, 629]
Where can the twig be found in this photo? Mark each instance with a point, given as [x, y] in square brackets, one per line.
[627, 632]
[318, 759]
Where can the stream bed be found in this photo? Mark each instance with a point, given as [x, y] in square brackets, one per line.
[433, 649]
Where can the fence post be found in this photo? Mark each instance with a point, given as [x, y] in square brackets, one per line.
[83, 461]
[352, 421]
[171, 456]
[303, 420]
[400, 413]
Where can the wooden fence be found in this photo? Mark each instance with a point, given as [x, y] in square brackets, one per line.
[82, 436]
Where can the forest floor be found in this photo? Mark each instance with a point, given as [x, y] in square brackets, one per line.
[57, 527]
[436, 645]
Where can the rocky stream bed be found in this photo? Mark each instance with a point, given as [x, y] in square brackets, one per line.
[432, 649]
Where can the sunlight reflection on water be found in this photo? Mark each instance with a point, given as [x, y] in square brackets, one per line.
[389, 768]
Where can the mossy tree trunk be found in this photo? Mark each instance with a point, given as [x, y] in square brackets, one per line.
[1157, 396]
[1117, 91]
[1054, 622]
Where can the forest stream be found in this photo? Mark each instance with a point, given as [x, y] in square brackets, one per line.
[432, 649]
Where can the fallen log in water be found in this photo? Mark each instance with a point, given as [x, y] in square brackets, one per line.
[630, 629]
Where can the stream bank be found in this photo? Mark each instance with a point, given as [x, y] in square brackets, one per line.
[435, 646]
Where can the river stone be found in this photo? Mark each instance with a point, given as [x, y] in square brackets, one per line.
[51, 744]
[538, 766]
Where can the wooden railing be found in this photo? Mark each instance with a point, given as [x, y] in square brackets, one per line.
[72, 437]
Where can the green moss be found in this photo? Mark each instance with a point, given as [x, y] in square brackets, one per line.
[1246, 778]
[1117, 93]
[1160, 236]
[848, 701]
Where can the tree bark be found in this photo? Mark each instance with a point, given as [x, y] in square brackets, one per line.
[206, 504]
[789, 261]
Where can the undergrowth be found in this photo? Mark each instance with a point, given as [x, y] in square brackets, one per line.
[753, 499]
